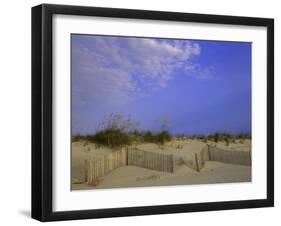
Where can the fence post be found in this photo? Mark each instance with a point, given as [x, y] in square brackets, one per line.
[196, 163]
[172, 164]
[208, 150]
[86, 170]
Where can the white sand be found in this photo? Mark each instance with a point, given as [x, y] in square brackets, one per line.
[131, 176]
[238, 145]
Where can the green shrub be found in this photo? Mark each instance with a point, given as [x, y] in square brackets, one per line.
[76, 138]
[227, 140]
[216, 137]
[163, 137]
[243, 136]
[114, 132]
[113, 138]
[148, 137]
[117, 131]
[160, 138]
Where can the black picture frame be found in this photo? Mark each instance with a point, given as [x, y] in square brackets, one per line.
[42, 106]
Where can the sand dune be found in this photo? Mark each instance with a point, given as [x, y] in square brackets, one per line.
[132, 176]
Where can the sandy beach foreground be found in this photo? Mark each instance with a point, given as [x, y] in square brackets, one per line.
[134, 176]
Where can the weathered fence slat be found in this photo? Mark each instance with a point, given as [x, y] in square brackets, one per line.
[98, 167]
[150, 160]
[228, 156]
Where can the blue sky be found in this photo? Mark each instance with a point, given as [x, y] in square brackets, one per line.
[199, 87]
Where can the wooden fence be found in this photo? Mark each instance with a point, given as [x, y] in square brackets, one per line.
[228, 156]
[100, 166]
[211, 153]
[151, 160]
[201, 157]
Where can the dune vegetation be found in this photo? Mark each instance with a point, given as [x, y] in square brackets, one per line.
[117, 131]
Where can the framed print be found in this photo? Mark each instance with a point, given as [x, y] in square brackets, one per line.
[145, 112]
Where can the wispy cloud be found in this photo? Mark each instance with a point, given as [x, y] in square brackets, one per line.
[113, 70]
[198, 72]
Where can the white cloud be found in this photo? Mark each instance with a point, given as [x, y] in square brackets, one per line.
[196, 71]
[104, 67]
